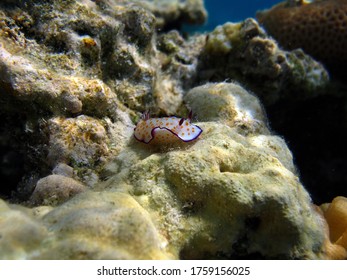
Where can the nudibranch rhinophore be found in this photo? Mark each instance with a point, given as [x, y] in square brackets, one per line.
[166, 130]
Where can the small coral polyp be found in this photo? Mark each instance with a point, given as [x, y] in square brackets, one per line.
[166, 130]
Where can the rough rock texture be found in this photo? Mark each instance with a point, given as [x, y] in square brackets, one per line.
[55, 189]
[176, 12]
[69, 67]
[302, 104]
[229, 193]
[75, 73]
[20, 232]
[213, 102]
[319, 28]
[91, 226]
[244, 52]
[223, 196]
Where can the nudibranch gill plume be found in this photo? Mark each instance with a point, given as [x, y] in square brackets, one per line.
[166, 130]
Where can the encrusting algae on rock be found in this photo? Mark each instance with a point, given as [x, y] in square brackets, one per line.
[228, 194]
[246, 53]
[225, 196]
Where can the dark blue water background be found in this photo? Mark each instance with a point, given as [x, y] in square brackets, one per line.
[221, 11]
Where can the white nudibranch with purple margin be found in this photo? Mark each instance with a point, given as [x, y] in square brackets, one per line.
[166, 130]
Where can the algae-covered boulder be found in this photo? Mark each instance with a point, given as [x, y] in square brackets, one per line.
[106, 225]
[232, 193]
[20, 233]
[101, 226]
[244, 52]
[227, 195]
[214, 102]
[55, 189]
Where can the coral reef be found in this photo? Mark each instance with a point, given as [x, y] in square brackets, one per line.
[225, 196]
[228, 193]
[239, 109]
[318, 27]
[241, 52]
[90, 226]
[244, 52]
[176, 12]
[78, 73]
[75, 77]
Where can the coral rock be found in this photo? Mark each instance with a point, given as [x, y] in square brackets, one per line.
[229, 103]
[176, 12]
[20, 233]
[244, 52]
[55, 189]
[63, 169]
[80, 140]
[226, 195]
[106, 225]
[319, 28]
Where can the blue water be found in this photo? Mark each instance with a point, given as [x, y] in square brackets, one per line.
[221, 11]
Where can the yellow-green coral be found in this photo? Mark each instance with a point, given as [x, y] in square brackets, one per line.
[228, 103]
[223, 38]
[106, 225]
[229, 193]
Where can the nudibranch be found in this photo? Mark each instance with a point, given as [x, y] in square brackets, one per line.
[166, 130]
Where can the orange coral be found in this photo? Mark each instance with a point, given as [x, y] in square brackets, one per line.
[319, 28]
[335, 215]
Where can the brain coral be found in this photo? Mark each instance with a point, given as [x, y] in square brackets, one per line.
[319, 28]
